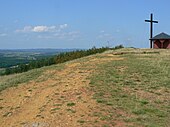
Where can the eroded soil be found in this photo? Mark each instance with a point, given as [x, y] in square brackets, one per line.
[64, 99]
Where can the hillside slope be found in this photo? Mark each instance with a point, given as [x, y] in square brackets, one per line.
[128, 87]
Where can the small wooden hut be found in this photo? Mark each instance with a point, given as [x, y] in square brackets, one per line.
[161, 41]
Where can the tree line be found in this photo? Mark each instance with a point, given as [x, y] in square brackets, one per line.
[60, 58]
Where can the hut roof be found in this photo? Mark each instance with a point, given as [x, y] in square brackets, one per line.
[161, 36]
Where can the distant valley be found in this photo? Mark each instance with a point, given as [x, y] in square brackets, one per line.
[9, 58]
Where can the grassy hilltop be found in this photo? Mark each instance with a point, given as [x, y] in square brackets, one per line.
[124, 87]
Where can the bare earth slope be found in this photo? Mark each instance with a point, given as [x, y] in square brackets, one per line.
[61, 100]
[122, 88]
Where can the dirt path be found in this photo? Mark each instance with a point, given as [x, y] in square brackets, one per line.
[63, 100]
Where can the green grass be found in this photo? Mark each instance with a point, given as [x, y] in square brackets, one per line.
[7, 114]
[36, 75]
[2, 70]
[15, 80]
[71, 110]
[81, 121]
[55, 109]
[132, 86]
[71, 104]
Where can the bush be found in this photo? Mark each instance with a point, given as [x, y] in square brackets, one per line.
[119, 47]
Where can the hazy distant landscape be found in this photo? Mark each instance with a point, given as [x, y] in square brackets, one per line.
[14, 57]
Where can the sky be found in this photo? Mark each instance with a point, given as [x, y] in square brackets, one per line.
[28, 24]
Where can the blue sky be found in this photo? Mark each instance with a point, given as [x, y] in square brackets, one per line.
[80, 23]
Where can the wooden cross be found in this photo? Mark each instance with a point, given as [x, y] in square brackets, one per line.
[151, 28]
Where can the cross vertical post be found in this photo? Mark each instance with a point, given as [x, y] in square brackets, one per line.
[151, 32]
[151, 28]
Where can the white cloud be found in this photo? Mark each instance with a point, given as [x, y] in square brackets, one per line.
[51, 32]
[3, 35]
[102, 31]
[63, 26]
[25, 29]
[42, 28]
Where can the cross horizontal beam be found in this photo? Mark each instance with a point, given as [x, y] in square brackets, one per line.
[151, 21]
